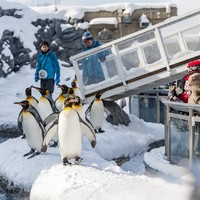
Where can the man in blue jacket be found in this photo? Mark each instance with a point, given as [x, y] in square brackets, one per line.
[91, 66]
[48, 69]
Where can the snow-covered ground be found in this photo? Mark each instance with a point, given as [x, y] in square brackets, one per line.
[98, 177]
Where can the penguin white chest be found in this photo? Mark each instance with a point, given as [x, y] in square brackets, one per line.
[44, 108]
[97, 114]
[60, 102]
[32, 131]
[69, 133]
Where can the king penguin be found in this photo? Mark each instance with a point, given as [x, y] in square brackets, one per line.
[69, 125]
[46, 106]
[96, 112]
[33, 128]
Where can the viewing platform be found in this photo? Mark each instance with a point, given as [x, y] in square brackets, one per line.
[154, 56]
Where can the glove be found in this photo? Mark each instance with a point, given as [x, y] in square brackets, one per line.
[102, 58]
[36, 78]
[57, 81]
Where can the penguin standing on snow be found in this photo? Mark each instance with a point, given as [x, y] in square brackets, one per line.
[69, 125]
[33, 128]
[46, 106]
[96, 110]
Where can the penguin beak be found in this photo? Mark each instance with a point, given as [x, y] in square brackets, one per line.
[17, 103]
[72, 100]
[37, 88]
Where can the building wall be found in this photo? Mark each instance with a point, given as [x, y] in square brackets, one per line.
[155, 16]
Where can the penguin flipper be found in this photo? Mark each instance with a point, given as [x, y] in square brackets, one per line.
[52, 117]
[89, 108]
[50, 133]
[52, 103]
[89, 131]
[19, 122]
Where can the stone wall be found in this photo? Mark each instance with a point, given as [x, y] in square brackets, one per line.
[64, 43]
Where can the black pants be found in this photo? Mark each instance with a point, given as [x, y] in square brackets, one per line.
[48, 84]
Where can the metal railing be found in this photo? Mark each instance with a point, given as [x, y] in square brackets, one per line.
[182, 132]
[140, 61]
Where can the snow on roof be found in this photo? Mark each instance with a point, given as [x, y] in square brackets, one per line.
[104, 20]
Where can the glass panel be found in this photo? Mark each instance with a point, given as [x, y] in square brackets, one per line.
[111, 68]
[91, 70]
[172, 46]
[130, 60]
[139, 39]
[192, 38]
[152, 53]
[96, 68]
[148, 109]
[197, 140]
[179, 140]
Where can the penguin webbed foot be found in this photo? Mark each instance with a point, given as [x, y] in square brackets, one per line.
[99, 130]
[54, 144]
[66, 162]
[29, 153]
[23, 136]
[44, 148]
[33, 155]
[78, 160]
[93, 143]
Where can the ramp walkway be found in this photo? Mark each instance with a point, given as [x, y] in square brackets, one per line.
[143, 60]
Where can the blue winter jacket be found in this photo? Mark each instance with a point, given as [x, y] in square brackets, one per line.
[49, 62]
[91, 66]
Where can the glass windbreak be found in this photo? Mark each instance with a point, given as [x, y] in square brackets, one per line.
[179, 140]
[152, 53]
[197, 141]
[148, 105]
[135, 40]
[97, 67]
[130, 60]
[192, 38]
[172, 46]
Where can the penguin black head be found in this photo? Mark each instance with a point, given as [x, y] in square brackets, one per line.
[73, 84]
[25, 104]
[98, 95]
[77, 100]
[71, 91]
[64, 88]
[68, 102]
[41, 90]
[28, 91]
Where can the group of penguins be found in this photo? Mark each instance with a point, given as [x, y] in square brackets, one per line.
[62, 121]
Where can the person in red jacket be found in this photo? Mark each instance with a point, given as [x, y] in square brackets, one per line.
[181, 90]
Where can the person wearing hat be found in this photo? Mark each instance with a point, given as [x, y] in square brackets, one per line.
[181, 90]
[48, 69]
[91, 66]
